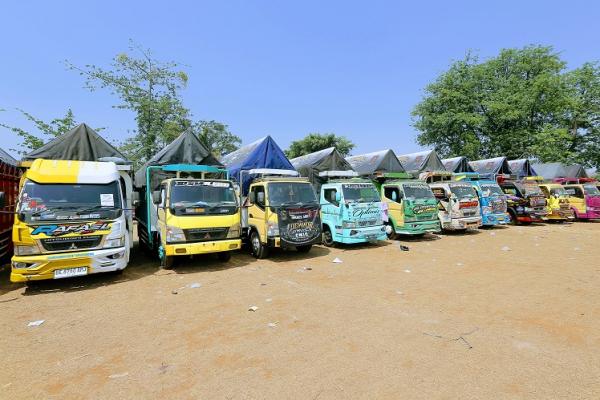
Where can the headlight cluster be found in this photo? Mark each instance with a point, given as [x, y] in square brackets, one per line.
[174, 234]
[272, 229]
[234, 232]
[115, 242]
[26, 250]
[348, 224]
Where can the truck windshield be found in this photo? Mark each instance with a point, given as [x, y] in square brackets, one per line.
[291, 193]
[47, 202]
[491, 189]
[559, 191]
[422, 192]
[591, 190]
[199, 197]
[462, 191]
[360, 192]
[530, 189]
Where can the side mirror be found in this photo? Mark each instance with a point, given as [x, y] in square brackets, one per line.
[135, 203]
[156, 196]
[252, 197]
[135, 196]
[338, 197]
[260, 198]
[2, 200]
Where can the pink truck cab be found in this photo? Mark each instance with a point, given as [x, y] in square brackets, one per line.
[584, 196]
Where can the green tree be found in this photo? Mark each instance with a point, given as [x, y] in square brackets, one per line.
[148, 87]
[46, 131]
[518, 104]
[319, 141]
[216, 137]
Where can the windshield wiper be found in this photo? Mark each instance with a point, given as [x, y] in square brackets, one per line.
[40, 212]
[89, 209]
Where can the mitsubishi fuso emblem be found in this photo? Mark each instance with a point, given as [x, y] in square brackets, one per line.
[73, 247]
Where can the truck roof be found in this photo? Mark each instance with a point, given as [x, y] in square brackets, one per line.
[69, 171]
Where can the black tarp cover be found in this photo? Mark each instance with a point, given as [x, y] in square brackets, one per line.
[521, 168]
[7, 158]
[310, 165]
[457, 164]
[81, 143]
[377, 162]
[559, 170]
[423, 161]
[186, 149]
[491, 167]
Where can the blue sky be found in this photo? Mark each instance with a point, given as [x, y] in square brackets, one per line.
[273, 67]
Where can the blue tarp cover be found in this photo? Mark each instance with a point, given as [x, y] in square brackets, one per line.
[264, 153]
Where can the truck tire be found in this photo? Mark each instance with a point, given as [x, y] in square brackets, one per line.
[327, 237]
[224, 256]
[166, 262]
[259, 250]
[304, 249]
[512, 218]
[391, 231]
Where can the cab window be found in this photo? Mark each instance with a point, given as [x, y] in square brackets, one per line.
[575, 192]
[256, 190]
[511, 190]
[440, 193]
[329, 195]
[392, 193]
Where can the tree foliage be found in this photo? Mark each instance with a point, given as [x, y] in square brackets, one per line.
[216, 137]
[46, 131]
[319, 141]
[521, 103]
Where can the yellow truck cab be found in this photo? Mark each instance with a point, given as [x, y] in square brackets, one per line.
[558, 205]
[72, 218]
[280, 211]
[190, 213]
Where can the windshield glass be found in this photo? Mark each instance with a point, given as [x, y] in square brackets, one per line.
[530, 189]
[44, 202]
[462, 191]
[417, 191]
[291, 193]
[360, 192]
[202, 197]
[559, 191]
[489, 189]
[591, 190]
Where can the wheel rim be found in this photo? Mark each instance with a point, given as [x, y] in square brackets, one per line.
[328, 237]
[161, 253]
[255, 243]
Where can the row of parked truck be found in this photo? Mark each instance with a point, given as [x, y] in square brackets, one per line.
[77, 199]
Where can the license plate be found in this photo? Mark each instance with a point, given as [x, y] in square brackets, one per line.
[69, 272]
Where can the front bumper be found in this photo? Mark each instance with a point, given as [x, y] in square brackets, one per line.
[360, 235]
[44, 265]
[558, 214]
[495, 219]
[590, 214]
[215, 246]
[419, 227]
[462, 223]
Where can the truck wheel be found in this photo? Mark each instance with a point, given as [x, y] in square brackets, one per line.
[512, 218]
[259, 250]
[304, 249]
[327, 237]
[390, 231]
[224, 256]
[166, 262]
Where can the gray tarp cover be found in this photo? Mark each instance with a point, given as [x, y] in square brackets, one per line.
[559, 170]
[521, 168]
[186, 149]
[423, 161]
[379, 161]
[310, 165]
[491, 167]
[7, 158]
[457, 164]
[81, 143]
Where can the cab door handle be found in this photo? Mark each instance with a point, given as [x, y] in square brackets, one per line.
[251, 216]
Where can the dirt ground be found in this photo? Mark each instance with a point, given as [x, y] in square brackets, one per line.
[503, 313]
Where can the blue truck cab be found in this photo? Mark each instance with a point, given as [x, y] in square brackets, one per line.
[492, 199]
[351, 212]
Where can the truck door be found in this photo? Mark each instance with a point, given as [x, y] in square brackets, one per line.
[394, 199]
[330, 208]
[576, 198]
[257, 212]
[161, 223]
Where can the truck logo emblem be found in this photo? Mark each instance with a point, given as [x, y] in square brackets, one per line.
[73, 247]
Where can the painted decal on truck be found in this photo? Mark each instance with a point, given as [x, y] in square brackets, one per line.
[424, 208]
[299, 225]
[59, 230]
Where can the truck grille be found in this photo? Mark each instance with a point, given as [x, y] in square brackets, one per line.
[205, 234]
[499, 206]
[71, 243]
[469, 213]
[367, 222]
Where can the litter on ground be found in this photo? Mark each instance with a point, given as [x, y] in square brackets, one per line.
[36, 323]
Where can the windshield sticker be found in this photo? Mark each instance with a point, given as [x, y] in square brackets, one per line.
[59, 230]
[358, 186]
[202, 183]
[107, 200]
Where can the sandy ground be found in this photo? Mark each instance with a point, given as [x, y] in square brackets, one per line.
[454, 318]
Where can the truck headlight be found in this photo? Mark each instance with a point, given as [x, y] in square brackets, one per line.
[272, 229]
[116, 242]
[26, 250]
[174, 234]
[348, 224]
[234, 232]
